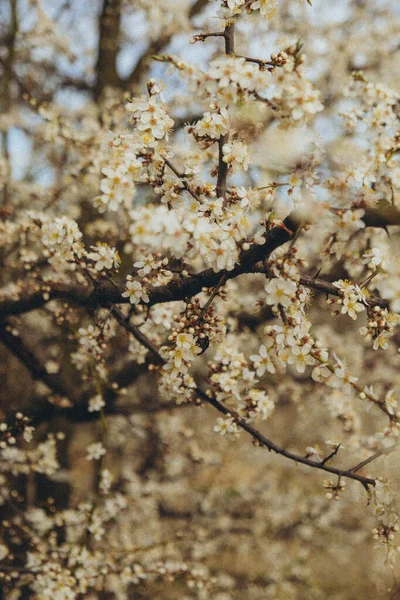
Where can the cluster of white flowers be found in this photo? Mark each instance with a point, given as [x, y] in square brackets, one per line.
[236, 156]
[375, 109]
[104, 257]
[184, 351]
[292, 345]
[228, 80]
[91, 343]
[126, 166]
[378, 103]
[192, 235]
[234, 384]
[232, 8]
[148, 263]
[211, 126]
[175, 378]
[297, 99]
[135, 291]
[352, 300]
[39, 459]
[149, 117]
[123, 171]
[380, 327]
[62, 239]
[385, 510]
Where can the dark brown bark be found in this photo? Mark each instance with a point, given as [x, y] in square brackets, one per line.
[108, 48]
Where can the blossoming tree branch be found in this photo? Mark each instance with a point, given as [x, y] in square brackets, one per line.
[200, 297]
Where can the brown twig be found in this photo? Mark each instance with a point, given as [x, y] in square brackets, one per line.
[257, 435]
[211, 299]
[183, 178]
[378, 454]
[328, 288]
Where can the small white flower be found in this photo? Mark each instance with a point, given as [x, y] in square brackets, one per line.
[226, 426]
[262, 362]
[315, 451]
[267, 8]
[96, 403]
[135, 291]
[104, 257]
[95, 451]
[236, 155]
[302, 357]
[375, 258]
[280, 291]
[391, 402]
[351, 306]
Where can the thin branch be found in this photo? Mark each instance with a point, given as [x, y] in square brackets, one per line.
[183, 178]
[370, 277]
[328, 288]
[264, 441]
[135, 331]
[259, 61]
[378, 454]
[207, 305]
[331, 455]
[257, 435]
[201, 37]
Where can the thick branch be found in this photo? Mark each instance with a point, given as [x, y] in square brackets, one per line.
[109, 33]
[105, 293]
[16, 345]
[41, 412]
